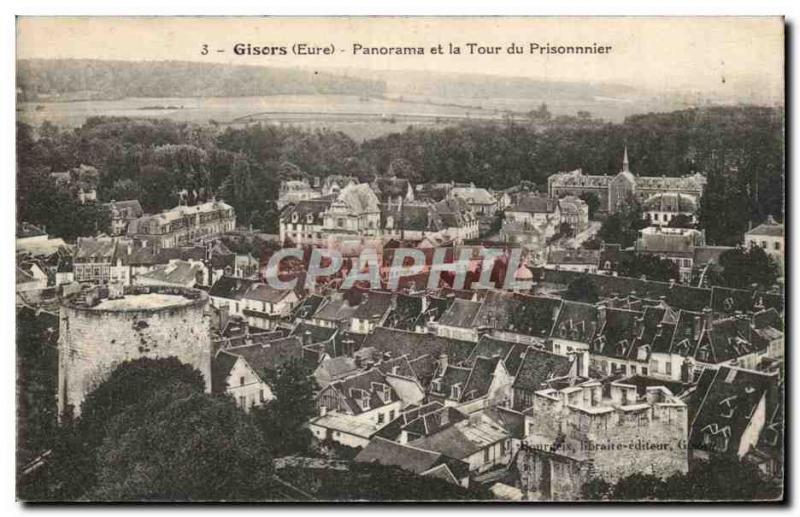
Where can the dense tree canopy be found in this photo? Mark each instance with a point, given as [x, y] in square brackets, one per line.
[652, 267]
[182, 445]
[718, 479]
[739, 148]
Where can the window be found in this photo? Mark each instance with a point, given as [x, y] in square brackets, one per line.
[776, 245]
[764, 244]
[391, 415]
[644, 370]
[261, 395]
[242, 401]
[486, 455]
[241, 381]
[380, 418]
[669, 367]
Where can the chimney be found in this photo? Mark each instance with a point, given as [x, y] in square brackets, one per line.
[708, 316]
[443, 362]
[601, 314]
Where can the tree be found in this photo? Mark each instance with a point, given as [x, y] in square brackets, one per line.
[592, 202]
[72, 467]
[681, 221]
[743, 267]
[622, 227]
[183, 445]
[720, 478]
[651, 266]
[582, 289]
[283, 420]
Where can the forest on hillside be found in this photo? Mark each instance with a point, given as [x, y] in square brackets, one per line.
[95, 79]
[740, 149]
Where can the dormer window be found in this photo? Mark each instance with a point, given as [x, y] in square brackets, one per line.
[455, 391]
[436, 386]
[309, 218]
[294, 217]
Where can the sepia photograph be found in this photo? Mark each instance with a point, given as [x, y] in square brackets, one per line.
[400, 259]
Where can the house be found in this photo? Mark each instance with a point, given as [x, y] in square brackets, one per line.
[371, 311]
[30, 277]
[393, 190]
[179, 273]
[573, 435]
[579, 260]
[239, 371]
[660, 209]
[184, 225]
[122, 213]
[479, 441]
[294, 191]
[260, 304]
[480, 200]
[729, 411]
[575, 327]
[533, 213]
[769, 236]
[416, 460]
[456, 321]
[538, 369]
[102, 260]
[483, 383]
[675, 244]
[353, 409]
[574, 212]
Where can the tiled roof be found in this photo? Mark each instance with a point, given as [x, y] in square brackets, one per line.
[270, 354]
[363, 383]
[315, 333]
[534, 204]
[540, 366]
[460, 314]
[231, 288]
[670, 202]
[415, 345]
[511, 353]
[576, 321]
[431, 422]
[722, 406]
[573, 257]
[464, 439]
[386, 452]
[221, 366]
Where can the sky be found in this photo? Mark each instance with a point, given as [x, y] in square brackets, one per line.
[725, 56]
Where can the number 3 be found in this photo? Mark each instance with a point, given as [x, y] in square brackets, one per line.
[204, 51]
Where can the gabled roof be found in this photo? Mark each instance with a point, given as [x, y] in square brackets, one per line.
[461, 313]
[178, 272]
[314, 333]
[510, 352]
[231, 288]
[540, 366]
[432, 422]
[308, 306]
[534, 204]
[415, 345]
[405, 313]
[722, 406]
[265, 293]
[768, 229]
[621, 334]
[221, 366]
[465, 438]
[269, 355]
[373, 306]
[386, 452]
[363, 383]
[576, 321]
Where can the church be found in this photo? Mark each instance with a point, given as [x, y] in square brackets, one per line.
[614, 191]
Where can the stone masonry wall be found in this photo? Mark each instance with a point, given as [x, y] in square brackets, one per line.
[93, 342]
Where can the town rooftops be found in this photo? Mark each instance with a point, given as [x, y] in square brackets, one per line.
[534, 204]
[178, 272]
[461, 313]
[769, 228]
[465, 438]
[670, 202]
[573, 257]
[415, 345]
[723, 405]
[269, 354]
[539, 366]
[474, 196]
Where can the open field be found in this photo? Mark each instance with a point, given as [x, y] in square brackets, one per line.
[359, 117]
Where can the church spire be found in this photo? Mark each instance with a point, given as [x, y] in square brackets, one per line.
[625, 161]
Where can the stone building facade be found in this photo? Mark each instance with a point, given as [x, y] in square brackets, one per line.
[615, 191]
[606, 431]
[184, 225]
[99, 330]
